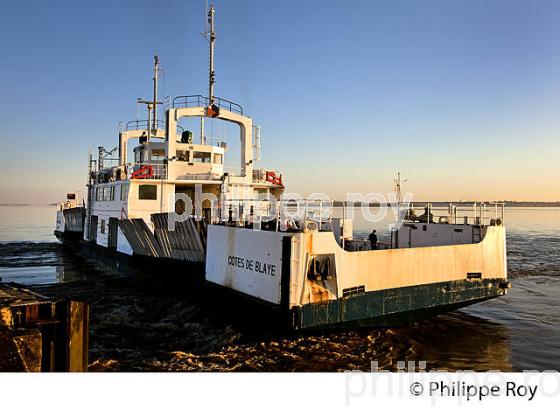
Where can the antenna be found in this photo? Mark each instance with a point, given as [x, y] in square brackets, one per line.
[102, 155]
[211, 35]
[152, 105]
[398, 183]
[156, 75]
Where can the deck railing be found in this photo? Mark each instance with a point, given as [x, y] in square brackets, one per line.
[477, 213]
[131, 171]
[296, 214]
[143, 125]
[206, 176]
[266, 175]
[362, 244]
[201, 101]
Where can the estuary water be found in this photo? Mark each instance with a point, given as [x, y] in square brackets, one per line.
[135, 327]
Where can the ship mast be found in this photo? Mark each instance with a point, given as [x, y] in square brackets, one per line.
[398, 188]
[212, 39]
[210, 35]
[156, 75]
[152, 105]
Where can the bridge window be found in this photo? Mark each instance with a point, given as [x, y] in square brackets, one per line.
[183, 156]
[203, 157]
[157, 154]
[123, 192]
[100, 194]
[218, 159]
[147, 192]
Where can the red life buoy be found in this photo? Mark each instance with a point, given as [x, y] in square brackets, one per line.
[146, 171]
[273, 178]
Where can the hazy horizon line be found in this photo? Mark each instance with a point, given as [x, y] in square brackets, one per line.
[357, 203]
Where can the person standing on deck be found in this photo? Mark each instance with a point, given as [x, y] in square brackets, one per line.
[427, 216]
[373, 240]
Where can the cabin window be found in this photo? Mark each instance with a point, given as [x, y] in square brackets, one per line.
[99, 193]
[106, 194]
[218, 158]
[157, 154]
[147, 192]
[203, 157]
[123, 192]
[141, 155]
[112, 193]
[102, 229]
[183, 156]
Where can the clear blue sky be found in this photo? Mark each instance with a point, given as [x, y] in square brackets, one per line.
[462, 96]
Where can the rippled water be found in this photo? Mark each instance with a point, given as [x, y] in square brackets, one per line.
[138, 328]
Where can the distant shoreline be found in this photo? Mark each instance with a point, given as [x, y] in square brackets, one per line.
[508, 204]
[15, 205]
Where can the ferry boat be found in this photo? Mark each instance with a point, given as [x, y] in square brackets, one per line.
[310, 271]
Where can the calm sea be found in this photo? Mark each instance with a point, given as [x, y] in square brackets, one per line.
[516, 332]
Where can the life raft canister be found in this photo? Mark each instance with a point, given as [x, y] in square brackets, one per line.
[273, 178]
[146, 171]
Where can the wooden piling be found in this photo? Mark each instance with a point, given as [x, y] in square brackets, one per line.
[42, 334]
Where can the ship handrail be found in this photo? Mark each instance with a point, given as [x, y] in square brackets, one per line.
[112, 174]
[202, 101]
[475, 213]
[259, 175]
[365, 242]
[199, 176]
[136, 125]
[313, 209]
[143, 124]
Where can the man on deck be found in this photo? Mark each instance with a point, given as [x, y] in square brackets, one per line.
[373, 240]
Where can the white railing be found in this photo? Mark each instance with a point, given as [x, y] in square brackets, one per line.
[477, 213]
[146, 171]
[293, 214]
[267, 175]
[131, 171]
[362, 244]
[206, 176]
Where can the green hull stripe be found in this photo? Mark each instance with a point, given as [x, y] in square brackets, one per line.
[398, 305]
